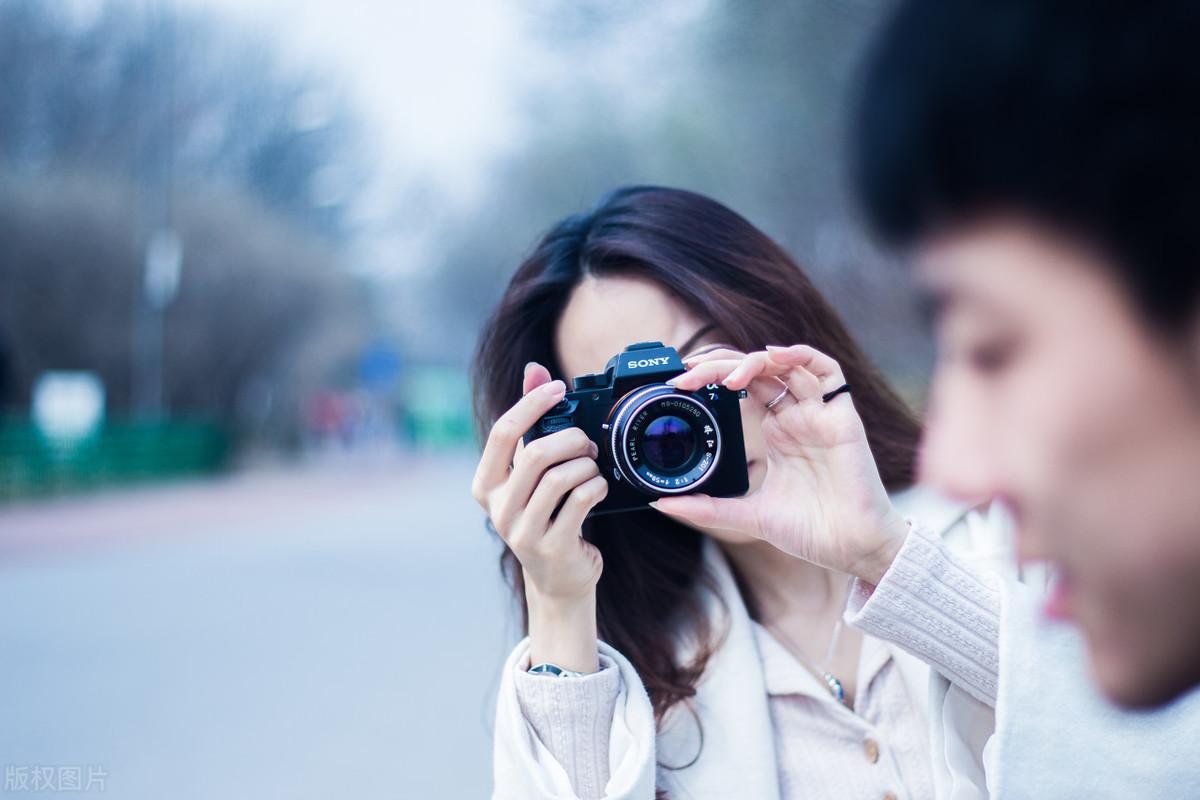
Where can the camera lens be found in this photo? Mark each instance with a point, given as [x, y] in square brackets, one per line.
[663, 440]
[668, 443]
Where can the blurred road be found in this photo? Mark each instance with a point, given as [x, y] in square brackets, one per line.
[319, 634]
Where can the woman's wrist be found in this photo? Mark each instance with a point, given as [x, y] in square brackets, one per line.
[873, 565]
[562, 630]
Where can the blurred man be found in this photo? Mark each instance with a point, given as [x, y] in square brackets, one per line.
[1041, 162]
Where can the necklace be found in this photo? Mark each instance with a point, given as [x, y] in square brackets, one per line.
[831, 681]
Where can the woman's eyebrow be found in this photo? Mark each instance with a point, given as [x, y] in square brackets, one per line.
[685, 348]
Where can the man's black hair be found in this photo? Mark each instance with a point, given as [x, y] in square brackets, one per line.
[1081, 115]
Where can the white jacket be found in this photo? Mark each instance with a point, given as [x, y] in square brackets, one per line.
[738, 757]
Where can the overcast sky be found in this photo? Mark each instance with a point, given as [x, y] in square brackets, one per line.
[440, 84]
[434, 80]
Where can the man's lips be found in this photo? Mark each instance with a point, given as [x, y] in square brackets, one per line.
[1057, 605]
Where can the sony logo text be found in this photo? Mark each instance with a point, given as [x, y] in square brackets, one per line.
[648, 362]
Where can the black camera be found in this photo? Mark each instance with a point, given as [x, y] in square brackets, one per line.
[654, 440]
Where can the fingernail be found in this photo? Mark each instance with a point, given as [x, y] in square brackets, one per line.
[776, 347]
[787, 352]
[554, 387]
[528, 364]
[595, 450]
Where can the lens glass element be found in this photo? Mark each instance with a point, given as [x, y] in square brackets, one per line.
[668, 444]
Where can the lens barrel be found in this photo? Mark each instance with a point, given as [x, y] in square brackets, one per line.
[663, 440]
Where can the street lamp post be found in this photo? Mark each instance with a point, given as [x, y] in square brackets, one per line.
[163, 260]
[160, 284]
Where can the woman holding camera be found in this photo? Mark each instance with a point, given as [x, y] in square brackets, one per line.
[673, 659]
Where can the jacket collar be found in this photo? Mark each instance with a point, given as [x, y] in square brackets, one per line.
[730, 709]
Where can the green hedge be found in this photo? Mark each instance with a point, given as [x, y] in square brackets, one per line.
[120, 452]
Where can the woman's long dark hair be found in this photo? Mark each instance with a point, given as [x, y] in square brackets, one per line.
[725, 271]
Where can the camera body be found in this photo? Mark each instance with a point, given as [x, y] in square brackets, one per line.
[653, 440]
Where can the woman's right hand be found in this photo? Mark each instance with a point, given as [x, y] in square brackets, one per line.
[560, 567]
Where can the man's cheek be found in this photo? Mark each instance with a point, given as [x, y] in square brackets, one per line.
[1042, 434]
[1030, 448]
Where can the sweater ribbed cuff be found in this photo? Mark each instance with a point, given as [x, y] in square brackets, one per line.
[942, 610]
[573, 717]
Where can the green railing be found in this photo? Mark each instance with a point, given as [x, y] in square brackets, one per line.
[121, 452]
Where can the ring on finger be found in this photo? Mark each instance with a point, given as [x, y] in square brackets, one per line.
[779, 397]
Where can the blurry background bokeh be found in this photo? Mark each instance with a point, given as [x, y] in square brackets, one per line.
[246, 247]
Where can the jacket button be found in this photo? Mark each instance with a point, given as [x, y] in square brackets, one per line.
[890, 796]
[871, 747]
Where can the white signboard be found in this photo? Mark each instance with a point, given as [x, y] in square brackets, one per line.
[68, 405]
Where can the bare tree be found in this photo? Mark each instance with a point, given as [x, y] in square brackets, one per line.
[118, 125]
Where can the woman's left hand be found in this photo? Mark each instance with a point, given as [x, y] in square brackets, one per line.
[821, 498]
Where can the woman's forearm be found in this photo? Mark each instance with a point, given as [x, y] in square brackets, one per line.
[937, 607]
[573, 718]
[571, 715]
[562, 631]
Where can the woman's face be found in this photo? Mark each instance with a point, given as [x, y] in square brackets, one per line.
[1052, 394]
[605, 315]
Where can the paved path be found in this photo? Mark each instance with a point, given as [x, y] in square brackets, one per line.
[320, 634]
